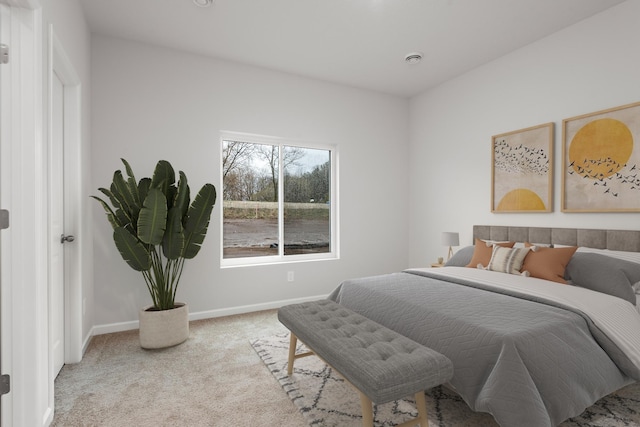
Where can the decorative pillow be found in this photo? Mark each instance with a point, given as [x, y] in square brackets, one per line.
[482, 253]
[604, 274]
[548, 263]
[507, 260]
[461, 258]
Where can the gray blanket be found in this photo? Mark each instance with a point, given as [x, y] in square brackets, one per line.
[525, 362]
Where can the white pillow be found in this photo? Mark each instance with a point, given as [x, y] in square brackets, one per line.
[522, 245]
[627, 256]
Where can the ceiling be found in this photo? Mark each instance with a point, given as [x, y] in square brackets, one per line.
[360, 43]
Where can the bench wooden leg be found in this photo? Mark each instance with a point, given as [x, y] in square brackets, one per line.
[421, 403]
[422, 419]
[367, 410]
[293, 342]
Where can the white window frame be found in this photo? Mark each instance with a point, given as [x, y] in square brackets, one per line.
[334, 252]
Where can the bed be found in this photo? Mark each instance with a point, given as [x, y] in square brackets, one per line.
[531, 351]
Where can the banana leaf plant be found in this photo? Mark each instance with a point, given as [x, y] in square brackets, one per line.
[156, 227]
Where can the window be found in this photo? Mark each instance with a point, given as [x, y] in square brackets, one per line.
[278, 201]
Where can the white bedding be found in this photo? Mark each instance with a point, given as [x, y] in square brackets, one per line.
[615, 317]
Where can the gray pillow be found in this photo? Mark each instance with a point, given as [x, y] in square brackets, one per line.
[461, 258]
[604, 274]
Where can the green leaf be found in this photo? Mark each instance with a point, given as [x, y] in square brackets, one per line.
[171, 196]
[122, 219]
[173, 241]
[197, 221]
[200, 210]
[143, 188]
[120, 190]
[120, 204]
[111, 216]
[153, 218]
[182, 197]
[128, 169]
[163, 176]
[193, 243]
[132, 251]
[133, 188]
[115, 202]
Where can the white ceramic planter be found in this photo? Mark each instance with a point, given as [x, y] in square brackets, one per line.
[164, 328]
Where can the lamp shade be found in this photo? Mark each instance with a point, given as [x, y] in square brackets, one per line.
[450, 238]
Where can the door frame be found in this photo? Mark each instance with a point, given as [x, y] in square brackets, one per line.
[24, 260]
[5, 305]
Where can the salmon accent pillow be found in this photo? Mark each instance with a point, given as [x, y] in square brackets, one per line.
[483, 251]
[548, 263]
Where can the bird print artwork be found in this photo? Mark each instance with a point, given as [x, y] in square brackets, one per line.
[602, 162]
[522, 162]
[520, 159]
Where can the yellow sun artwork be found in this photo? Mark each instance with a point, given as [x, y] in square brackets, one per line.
[521, 199]
[601, 148]
[601, 161]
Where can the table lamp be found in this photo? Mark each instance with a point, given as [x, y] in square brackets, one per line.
[450, 239]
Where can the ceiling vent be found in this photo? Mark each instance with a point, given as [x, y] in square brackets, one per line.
[413, 58]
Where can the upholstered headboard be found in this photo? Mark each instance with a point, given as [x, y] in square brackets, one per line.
[617, 240]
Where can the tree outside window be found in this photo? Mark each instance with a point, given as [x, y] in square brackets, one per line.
[276, 200]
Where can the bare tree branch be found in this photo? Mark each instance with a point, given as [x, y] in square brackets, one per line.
[235, 154]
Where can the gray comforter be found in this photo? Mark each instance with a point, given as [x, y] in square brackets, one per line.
[526, 363]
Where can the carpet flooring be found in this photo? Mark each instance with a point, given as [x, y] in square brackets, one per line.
[326, 400]
[216, 378]
[213, 379]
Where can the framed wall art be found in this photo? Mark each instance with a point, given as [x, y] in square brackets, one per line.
[601, 161]
[522, 170]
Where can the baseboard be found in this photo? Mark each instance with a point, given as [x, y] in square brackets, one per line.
[87, 341]
[127, 326]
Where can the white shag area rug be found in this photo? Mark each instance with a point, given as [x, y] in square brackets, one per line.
[326, 400]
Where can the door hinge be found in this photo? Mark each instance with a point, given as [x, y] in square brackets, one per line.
[5, 384]
[4, 54]
[4, 219]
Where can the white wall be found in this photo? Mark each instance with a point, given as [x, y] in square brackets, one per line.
[587, 67]
[151, 103]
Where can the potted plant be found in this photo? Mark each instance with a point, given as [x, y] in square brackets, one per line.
[156, 228]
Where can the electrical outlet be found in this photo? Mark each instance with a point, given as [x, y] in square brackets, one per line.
[290, 276]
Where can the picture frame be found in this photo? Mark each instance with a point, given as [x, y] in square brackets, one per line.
[601, 161]
[522, 170]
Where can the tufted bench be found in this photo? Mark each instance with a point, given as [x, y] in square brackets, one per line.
[380, 363]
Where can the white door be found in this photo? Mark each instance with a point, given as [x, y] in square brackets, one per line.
[56, 225]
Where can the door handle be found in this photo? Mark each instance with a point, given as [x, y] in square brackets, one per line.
[65, 239]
